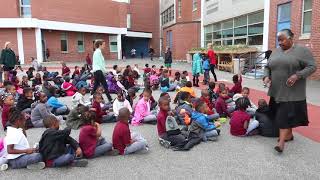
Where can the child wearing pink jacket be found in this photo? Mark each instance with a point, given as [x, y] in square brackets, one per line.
[142, 113]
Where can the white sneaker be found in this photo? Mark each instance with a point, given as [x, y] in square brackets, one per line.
[164, 143]
[4, 167]
[36, 166]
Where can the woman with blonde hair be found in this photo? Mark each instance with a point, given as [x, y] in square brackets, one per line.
[7, 59]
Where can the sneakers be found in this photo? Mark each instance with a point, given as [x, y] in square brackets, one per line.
[4, 167]
[80, 163]
[113, 152]
[164, 143]
[36, 166]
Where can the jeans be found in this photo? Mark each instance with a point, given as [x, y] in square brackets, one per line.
[253, 124]
[212, 66]
[150, 119]
[102, 148]
[25, 160]
[209, 134]
[139, 143]
[64, 110]
[109, 118]
[206, 76]
[100, 79]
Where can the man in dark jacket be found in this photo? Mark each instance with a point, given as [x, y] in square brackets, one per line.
[168, 60]
[57, 147]
[8, 60]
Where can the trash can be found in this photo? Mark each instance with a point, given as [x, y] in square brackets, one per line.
[236, 68]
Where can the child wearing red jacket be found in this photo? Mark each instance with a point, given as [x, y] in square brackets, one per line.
[101, 116]
[205, 97]
[221, 105]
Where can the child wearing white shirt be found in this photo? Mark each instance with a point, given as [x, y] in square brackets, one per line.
[251, 110]
[121, 102]
[20, 155]
[78, 98]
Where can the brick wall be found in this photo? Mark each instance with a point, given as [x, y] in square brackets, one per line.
[29, 44]
[185, 36]
[187, 14]
[52, 39]
[9, 9]
[296, 19]
[9, 35]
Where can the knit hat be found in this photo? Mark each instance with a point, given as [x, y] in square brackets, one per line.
[171, 124]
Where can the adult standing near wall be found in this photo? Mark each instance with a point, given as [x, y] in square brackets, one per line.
[286, 74]
[168, 59]
[8, 60]
[213, 60]
[151, 53]
[99, 68]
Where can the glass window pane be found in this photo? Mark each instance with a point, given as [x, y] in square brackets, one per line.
[256, 29]
[307, 22]
[240, 31]
[64, 46]
[216, 27]
[242, 41]
[25, 2]
[307, 4]
[26, 11]
[207, 42]
[284, 12]
[217, 43]
[227, 24]
[255, 40]
[227, 42]
[257, 17]
[208, 36]
[217, 35]
[240, 21]
[208, 29]
[227, 33]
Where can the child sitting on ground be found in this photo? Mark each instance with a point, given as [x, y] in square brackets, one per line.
[58, 108]
[24, 82]
[240, 123]
[212, 114]
[20, 155]
[119, 103]
[68, 87]
[211, 132]
[90, 139]
[37, 80]
[212, 95]
[102, 116]
[188, 88]
[142, 112]
[267, 126]
[131, 96]
[168, 129]
[125, 141]
[245, 93]
[146, 70]
[41, 111]
[57, 147]
[165, 83]
[221, 105]
[184, 109]
[11, 89]
[65, 70]
[8, 103]
[74, 120]
[30, 73]
[25, 101]
[3, 156]
[78, 98]
[153, 102]
[237, 80]
[76, 72]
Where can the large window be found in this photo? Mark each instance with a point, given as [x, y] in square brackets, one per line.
[246, 30]
[113, 43]
[179, 8]
[167, 15]
[80, 42]
[194, 5]
[307, 17]
[64, 42]
[25, 8]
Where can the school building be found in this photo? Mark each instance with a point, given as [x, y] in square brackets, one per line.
[302, 17]
[63, 30]
[181, 26]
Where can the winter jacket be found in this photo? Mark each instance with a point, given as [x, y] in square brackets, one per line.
[53, 143]
[141, 110]
[73, 119]
[168, 57]
[203, 120]
[68, 88]
[24, 103]
[54, 103]
[40, 112]
[206, 64]
[267, 126]
[188, 107]
[8, 58]
[196, 64]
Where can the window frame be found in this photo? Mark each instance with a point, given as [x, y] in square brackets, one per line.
[113, 39]
[194, 5]
[81, 38]
[64, 34]
[302, 19]
[21, 6]
[129, 21]
[179, 8]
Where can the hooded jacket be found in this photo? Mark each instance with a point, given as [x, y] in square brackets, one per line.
[203, 121]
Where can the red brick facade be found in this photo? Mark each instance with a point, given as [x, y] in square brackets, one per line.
[29, 44]
[186, 32]
[11, 36]
[296, 20]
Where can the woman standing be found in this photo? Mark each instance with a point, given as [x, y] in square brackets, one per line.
[99, 68]
[213, 60]
[8, 60]
[168, 60]
[286, 74]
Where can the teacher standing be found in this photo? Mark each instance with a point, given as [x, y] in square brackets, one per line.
[99, 68]
[8, 60]
[213, 60]
[286, 73]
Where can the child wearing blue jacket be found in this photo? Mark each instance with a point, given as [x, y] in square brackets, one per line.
[211, 131]
[58, 108]
[206, 69]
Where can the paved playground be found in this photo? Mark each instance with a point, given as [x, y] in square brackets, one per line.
[228, 158]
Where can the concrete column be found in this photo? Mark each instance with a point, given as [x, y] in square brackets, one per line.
[20, 45]
[265, 46]
[119, 46]
[202, 27]
[39, 45]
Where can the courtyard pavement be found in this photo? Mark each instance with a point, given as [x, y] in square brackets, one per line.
[228, 158]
